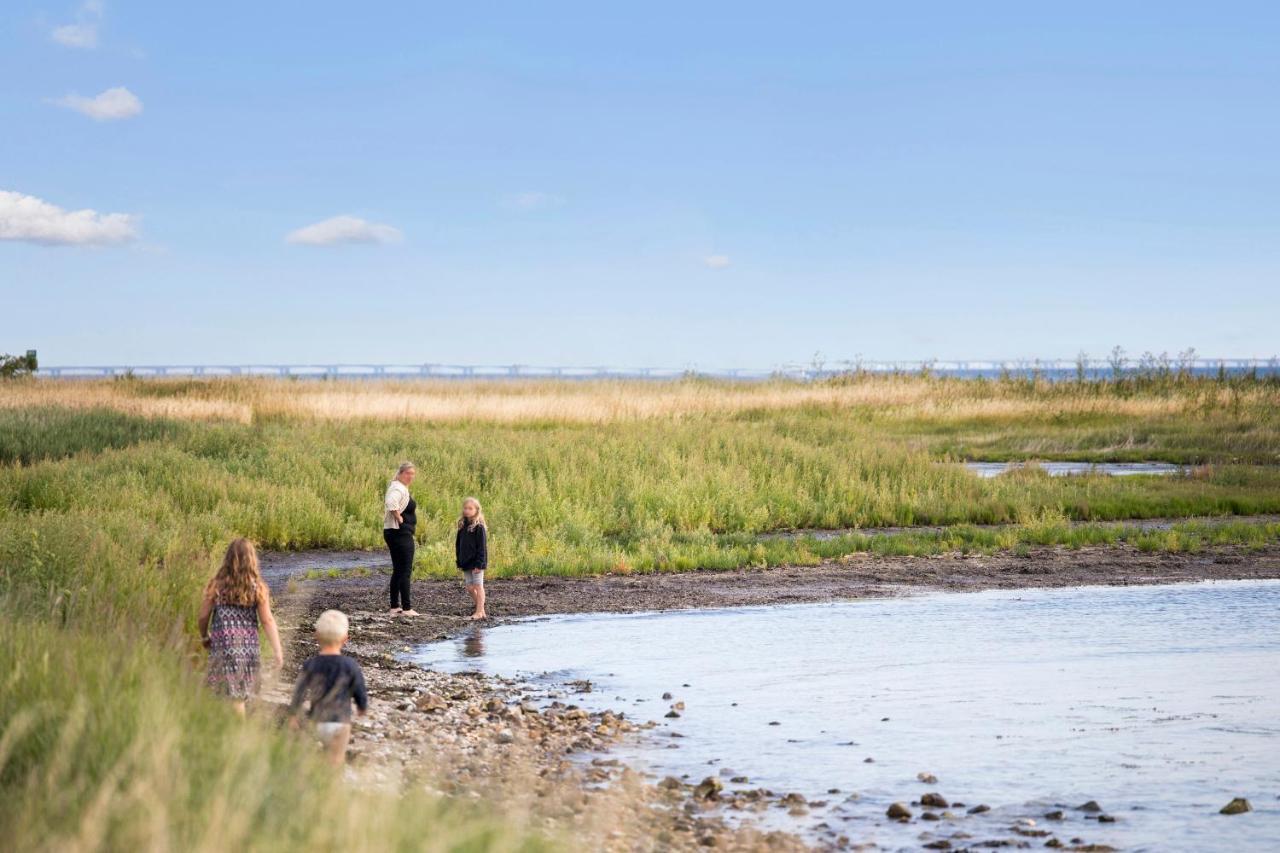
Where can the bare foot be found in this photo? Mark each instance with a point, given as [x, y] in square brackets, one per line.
[395, 611]
[408, 613]
[476, 617]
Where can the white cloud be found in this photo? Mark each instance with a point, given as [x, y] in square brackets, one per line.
[716, 262]
[532, 201]
[33, 220]
[344, 229]
[115, 103]
[84, 32]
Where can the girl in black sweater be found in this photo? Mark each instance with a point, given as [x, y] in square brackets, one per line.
[471, 546]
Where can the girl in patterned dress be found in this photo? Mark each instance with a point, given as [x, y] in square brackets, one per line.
[235, 602]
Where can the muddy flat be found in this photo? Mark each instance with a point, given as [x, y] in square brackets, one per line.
[444, 604]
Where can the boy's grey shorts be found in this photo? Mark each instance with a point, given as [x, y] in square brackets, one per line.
[475, 577]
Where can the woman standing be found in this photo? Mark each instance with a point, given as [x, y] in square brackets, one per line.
[398, 522]
[235, 603]
[471, 547]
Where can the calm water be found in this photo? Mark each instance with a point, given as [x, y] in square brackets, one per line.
[1162, 703]
[1067, 469]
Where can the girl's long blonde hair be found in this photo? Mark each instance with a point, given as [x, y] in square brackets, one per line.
[238, 580]
[478, 521]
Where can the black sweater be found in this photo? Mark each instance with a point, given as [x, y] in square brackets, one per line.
[472, 547]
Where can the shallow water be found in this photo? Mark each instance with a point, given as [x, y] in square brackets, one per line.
[1160, 702]
[1068, 469]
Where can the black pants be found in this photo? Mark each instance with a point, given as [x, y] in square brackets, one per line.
[400, 544]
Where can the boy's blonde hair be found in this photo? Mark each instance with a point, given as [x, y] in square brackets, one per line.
[332, 627]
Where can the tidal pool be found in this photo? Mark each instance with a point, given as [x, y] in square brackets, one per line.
[1068, 469]
[1160, 702]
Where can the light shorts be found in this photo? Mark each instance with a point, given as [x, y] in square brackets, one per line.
[325, 732]
[475, 577]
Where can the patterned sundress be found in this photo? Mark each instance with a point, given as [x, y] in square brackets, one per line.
[233, 651]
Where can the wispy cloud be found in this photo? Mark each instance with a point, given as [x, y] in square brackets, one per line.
[344, 229]
[29, 219]
[532, 201]
[716, 262]
[83, 32]
[115, 103]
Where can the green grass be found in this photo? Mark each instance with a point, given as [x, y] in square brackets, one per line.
[571, 498]
[32, 435]
[111, 518]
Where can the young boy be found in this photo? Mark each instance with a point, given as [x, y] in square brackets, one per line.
[330, 681]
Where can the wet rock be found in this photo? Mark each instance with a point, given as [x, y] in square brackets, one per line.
[940, 844]
[666, 695]
[1053, 842]
[1057, 814]
[670, 783]
[898, 811]
[927, 778]
[774, 723]
[672, 714]
[793, 799]
[1239, 805]
[679, 706]
[1091, 806]
[930, 816]
[708, 789]
[934, 799]
[868, 760]
[739, 780]
[431, 702]
[980, 808]
[1031, 833]
[1106, 818]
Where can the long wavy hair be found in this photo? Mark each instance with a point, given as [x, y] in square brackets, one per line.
[238, 580]
[478, 521]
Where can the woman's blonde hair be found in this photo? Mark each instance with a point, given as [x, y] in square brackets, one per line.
[238, 580]
[406, 466]
[478, 521]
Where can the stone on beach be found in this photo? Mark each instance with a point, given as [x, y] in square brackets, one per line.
[429, 702]
[708, 789]
[898, 811]
[934, 799]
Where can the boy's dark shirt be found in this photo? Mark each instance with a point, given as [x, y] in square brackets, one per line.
[330, 682]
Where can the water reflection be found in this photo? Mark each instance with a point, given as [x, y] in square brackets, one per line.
[1070, 469]
[473, 643]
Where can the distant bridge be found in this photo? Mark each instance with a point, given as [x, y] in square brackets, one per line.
[1052, 369]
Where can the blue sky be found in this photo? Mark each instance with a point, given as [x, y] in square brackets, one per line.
[713, 184]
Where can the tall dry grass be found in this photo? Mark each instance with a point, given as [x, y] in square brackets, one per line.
[598, 402]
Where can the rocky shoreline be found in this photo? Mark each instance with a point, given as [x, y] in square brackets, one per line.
[544, 762]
